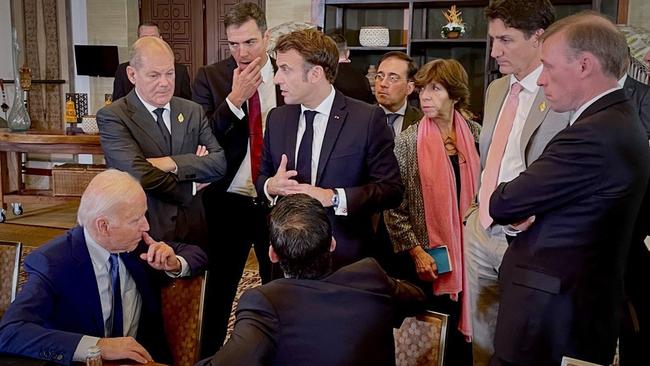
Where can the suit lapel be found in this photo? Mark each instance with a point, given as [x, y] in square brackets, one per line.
[617, 96]
[139, 114]
[537, 113]
[334, 125]
[498, 92]
[411, 115]
[178, 123]
[85, 274]
[291, 135]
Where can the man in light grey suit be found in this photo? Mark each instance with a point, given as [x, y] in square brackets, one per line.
[163, 141]
[514, 27]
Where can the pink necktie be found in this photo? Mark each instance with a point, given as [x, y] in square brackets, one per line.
[495, 154]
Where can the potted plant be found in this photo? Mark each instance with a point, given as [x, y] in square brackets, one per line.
[455, 27]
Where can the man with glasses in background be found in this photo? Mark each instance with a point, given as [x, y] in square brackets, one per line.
[393, 85]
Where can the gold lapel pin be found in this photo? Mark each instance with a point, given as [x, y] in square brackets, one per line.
[181, 118]
[542, 107]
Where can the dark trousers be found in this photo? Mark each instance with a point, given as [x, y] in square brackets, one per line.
[235, 222]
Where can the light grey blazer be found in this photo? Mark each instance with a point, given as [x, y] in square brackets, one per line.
[540, 126]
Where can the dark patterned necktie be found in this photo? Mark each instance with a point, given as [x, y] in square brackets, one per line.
[303, 163]
[161, 125]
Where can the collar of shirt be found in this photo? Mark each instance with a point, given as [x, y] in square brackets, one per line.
[324, 107]
[152, 108]
[622, 80]
[98, 254]
[401, 111]
[575, 115]
[529, 83]
[131, 300]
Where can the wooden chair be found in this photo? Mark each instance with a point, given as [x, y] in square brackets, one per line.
[421, 340]
[182, 308]
[10, 252]
[22, 275]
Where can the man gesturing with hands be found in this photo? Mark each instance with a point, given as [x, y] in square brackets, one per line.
[98, 284]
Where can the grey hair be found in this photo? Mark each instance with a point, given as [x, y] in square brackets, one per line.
[104, 192]
[136, 51]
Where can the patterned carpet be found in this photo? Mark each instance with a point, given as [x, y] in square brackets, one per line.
[250, 279]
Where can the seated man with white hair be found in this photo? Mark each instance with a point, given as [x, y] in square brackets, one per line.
[68, 302]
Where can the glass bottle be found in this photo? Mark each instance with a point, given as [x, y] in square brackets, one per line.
[94, 356]
[18, 119]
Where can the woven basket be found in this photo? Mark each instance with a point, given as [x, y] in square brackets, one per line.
[72, 179]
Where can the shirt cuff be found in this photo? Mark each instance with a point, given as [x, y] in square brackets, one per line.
[342, 208]
[185, 269]
[272, 200]
[82, 348]
[238, 112]
[193, 188]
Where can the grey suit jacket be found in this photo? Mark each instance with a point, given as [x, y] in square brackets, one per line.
[129, 135]
[540, 126]
[640, 98]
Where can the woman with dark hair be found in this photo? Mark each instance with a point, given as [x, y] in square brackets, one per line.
[440, 168]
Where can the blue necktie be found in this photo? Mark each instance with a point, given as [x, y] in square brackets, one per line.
[390, 119]
[118, 321]
[303, 163]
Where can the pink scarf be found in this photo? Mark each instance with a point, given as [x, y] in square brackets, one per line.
[441, 211]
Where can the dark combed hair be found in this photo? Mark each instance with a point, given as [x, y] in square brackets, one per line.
[301, 235]
[148, 24]
[412, 68]
[528, 16]
[243, 12]
[341, 43]
[315, 47]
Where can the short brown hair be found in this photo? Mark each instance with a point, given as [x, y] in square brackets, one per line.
[315, 47]
[148, 24]
[412, 67]
[527, 16]
[243, 12]
[591, 32]
[451, 75]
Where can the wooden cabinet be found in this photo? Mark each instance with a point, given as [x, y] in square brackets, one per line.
[414, 27]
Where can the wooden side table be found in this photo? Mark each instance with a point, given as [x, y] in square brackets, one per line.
[12, 144]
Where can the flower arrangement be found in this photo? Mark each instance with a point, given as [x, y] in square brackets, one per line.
[455, 26]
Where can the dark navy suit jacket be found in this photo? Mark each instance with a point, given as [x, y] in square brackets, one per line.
[60, 301]
[357, 155]
[562, 279]
[344, 318]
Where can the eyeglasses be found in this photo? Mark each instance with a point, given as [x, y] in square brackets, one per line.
[392, 78]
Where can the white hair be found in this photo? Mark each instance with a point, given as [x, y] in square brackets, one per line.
[105, 191]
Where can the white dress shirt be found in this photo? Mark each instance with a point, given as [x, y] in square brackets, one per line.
[320, 126]
[167, 119]
[512, 162]
[243, 183]
[399, 121]
[131, 299]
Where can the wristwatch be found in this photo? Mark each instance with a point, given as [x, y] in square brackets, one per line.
[335, 199]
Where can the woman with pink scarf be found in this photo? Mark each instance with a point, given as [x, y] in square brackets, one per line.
[440, 168]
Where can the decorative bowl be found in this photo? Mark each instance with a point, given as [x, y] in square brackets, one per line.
[374, 36]
[89, 125]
